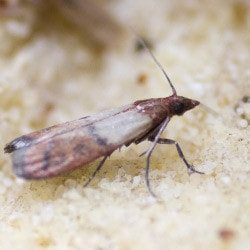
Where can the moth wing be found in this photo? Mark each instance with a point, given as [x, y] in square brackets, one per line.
[63, 147]
[59, 129]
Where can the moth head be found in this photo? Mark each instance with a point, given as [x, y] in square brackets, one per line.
[179, 105]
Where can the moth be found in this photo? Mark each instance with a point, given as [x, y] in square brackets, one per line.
[54, 150]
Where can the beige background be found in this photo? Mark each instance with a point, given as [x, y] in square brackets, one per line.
[49, 74]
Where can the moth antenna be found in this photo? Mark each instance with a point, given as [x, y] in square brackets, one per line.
[158, 64]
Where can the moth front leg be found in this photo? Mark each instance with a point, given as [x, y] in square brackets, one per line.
[180, 152]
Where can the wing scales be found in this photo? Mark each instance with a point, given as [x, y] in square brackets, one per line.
[52, 151]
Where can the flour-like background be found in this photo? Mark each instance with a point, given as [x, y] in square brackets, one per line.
[48, 75]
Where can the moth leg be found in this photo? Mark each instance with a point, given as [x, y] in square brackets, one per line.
[152, 133]
[101, 163]
[150, 151]
[147, 173]
[180, 153]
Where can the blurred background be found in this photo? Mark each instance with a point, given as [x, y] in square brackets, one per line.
[64, 59]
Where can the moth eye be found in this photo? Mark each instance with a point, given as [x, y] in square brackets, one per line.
[179, 108]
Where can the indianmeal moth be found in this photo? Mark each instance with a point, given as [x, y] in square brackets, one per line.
[52, 151]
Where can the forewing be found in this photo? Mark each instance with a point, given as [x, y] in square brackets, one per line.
[63, 147]
[60, 129]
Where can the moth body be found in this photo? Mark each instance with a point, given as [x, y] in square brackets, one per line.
[60, 148]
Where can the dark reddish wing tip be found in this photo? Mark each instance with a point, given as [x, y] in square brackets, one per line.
[18, 143]
[9, 148]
